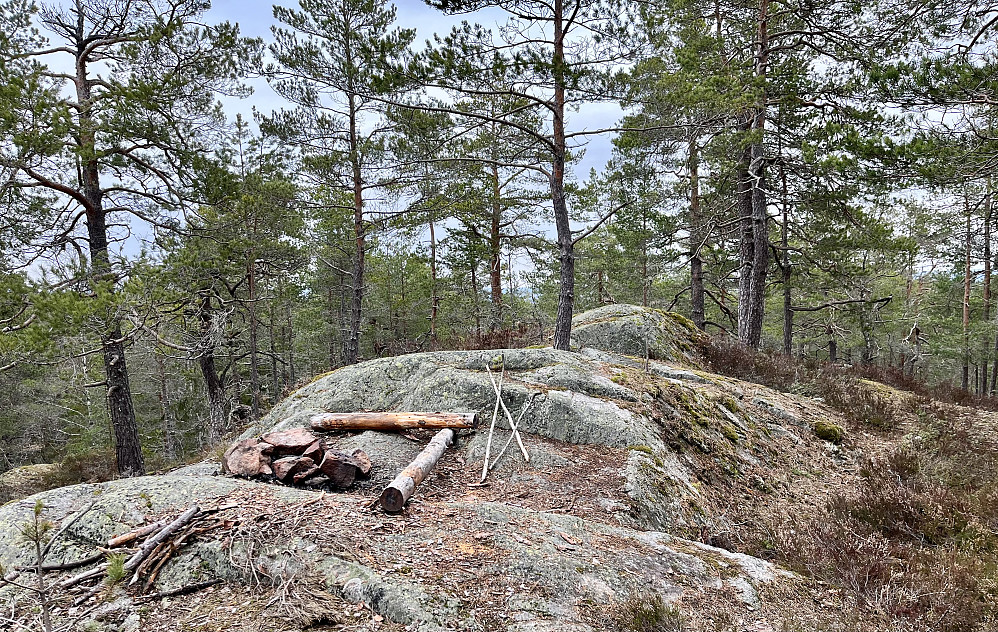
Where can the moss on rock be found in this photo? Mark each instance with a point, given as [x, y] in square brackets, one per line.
[829, 431]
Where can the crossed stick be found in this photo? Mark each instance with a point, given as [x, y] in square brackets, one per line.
[497, 387]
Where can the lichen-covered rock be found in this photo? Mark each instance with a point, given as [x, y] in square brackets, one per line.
[622, 449]
[639, 331]
[417, 577]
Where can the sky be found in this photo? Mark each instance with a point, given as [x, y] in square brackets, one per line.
[256, 18]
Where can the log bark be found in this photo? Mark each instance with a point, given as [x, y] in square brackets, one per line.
[391, 421]
[398, 492]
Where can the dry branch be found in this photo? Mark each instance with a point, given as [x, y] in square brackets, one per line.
[391, 421]
[134, 534]
[394, 497]
[150, 544]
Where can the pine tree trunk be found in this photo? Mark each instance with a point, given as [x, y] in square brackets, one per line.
[359, 230]
[696, 238]
[746, 249]
[788, 312]
[985, 352]
[753, 205]
[566, 245]
[965, 381]
[167, 425]
[434, 299]
[217, 418]
[253, 337]
[127, 447]
[495, 252]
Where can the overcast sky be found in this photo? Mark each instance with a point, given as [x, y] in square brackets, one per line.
[256, 18]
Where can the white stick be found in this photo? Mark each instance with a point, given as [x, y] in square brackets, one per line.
[510, 439]
[509, 417]
[492, 427]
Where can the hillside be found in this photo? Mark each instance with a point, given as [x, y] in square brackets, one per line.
[659, 496]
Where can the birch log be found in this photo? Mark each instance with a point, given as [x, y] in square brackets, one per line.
[391, 421]
[399, 491]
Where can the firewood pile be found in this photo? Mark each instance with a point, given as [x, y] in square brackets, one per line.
[141, 554]
[296, 457]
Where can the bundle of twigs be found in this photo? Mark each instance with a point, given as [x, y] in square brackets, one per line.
[148, 549]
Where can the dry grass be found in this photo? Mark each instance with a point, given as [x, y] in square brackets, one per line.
[916, 538]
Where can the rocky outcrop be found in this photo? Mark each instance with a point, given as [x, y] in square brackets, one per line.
[28, 479]
[632, 460]
[639, 331]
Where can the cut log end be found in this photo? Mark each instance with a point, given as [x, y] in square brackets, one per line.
[392, 500]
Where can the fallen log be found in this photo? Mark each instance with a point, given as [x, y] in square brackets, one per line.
[394, 497]
[391, 421]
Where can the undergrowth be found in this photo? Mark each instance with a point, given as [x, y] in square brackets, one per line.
[917, 538]
[812, 377]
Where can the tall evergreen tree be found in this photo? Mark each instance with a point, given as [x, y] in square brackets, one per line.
[108, 133]
[335, 61]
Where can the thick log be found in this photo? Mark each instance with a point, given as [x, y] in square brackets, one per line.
[398, 492]
[391, 421]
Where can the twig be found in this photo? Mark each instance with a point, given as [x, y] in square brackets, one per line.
[509, 417]
[510, 439]
[82, 577]
[492, 427]
[65, 566]
[150, 544]
[135, 534]
[183, 590]
[66, 526]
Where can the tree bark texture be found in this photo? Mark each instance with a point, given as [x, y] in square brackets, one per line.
[360, 238]
[495, 252]
[566, 245]
[696, 238]
[392, 421]
[398, 492]
[128, 451]
[965, 377]
[754, 251]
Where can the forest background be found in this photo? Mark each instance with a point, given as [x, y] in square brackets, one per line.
[812, 178]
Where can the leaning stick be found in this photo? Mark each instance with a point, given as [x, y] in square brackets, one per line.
[509, 417]
[492, 428]
[510, 439]
[65, 528]
[82, 577]
[394, 497]
[150, 544]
